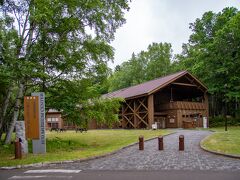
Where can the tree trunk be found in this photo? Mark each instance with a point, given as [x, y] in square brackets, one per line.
[5, 105]
[1, 135]
[15, 113]
[236, 108]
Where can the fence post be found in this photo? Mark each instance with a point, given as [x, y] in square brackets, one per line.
[160, 143]
[18, 149]
[181, 143]
[141, 143]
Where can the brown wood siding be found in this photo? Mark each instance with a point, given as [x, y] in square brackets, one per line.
[183, 105]
[54, 115]
[150, 110]
[172, 119]
[188, 115]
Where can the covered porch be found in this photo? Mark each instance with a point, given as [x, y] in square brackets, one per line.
[181, 104]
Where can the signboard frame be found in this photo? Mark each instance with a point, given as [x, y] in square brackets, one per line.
[39, 146]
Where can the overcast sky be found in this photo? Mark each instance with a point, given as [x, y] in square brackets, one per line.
[160, 21]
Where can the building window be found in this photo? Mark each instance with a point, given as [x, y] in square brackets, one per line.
[52, 119]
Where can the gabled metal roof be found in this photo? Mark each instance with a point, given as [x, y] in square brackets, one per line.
[149, 87]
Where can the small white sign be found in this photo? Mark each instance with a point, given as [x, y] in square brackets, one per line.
[171, 120]
[154, 126]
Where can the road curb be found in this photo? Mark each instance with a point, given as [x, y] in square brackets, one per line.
[78, 160]
[215, 152]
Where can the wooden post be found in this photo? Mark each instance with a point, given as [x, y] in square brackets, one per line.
[141, 143]
[123, 118]
[18, 149]
[135, 120]
[181, 143]
[225, 123]
[160, 143]
[150, 110]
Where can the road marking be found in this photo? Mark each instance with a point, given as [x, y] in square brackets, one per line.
[53, 171]
[37, 177]
[25, 177]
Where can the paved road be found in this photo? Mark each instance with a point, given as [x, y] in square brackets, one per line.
[120, 175]
[193, 158]
[131, 163]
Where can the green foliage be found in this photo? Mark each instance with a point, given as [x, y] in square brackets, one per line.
[159, 57]
[59, 47]
[213, 52]
[79, 102]
[219, 121]
[8, 37]
[105, 111]
[146, 65]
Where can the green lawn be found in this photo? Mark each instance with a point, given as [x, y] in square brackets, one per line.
[224, 141]
[71, 145]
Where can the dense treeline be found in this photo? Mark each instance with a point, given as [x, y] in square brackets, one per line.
[146, 65]
[212, 54]
[60, 48]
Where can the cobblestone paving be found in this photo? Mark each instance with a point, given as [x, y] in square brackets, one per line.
[193, 158]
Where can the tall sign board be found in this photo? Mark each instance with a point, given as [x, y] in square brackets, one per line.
[31, 118]
[34, 116]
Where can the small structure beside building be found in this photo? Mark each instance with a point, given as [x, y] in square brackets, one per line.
[54, 120]
[175, 101]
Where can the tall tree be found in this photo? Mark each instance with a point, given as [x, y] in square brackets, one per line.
[159, 56]
[8, 37]
[60, 39]
[146, 65]
[213, 54]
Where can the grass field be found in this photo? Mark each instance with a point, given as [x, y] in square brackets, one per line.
[224, 141]
[71, 145]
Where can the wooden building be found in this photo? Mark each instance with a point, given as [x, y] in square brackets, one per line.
[175, 101]
[54, 120]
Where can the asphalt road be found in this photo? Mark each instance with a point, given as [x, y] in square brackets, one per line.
[120, 175]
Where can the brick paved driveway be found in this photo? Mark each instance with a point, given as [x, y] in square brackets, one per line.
[193, 158]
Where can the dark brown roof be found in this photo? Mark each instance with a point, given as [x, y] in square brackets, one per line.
[148, 87]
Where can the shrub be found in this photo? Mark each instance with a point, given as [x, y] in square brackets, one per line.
[220, 121]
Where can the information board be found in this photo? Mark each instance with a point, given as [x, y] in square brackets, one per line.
[31, 116]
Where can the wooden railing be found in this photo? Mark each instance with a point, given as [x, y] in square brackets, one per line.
[183, 105]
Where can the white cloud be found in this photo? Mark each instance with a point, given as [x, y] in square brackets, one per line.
[161, 21]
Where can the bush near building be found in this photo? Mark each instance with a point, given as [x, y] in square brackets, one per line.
[219, 121]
